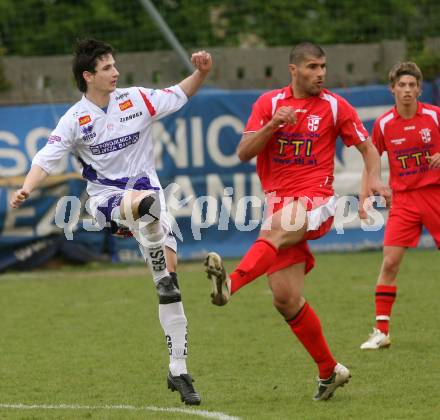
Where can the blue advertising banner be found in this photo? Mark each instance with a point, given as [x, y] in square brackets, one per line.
[209, 189]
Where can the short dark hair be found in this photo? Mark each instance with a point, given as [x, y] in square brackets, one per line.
[86, 55]
[306, 49]
[408, 68]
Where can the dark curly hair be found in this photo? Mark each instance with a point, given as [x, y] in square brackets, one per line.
[87, 53]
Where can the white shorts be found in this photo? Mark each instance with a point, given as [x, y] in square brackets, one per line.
[104, 208]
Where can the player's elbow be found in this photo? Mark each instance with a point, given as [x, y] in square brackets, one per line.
[244, 157]
[243, 154]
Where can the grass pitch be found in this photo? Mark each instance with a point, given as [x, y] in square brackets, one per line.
[90, 337]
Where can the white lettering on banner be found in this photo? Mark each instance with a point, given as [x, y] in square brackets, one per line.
[215, 188]
[12, 154]
[45, 225]
[24, 253]
[178, 150]
[197, 142]
[213, 140]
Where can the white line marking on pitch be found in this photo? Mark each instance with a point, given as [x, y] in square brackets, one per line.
[190, 411]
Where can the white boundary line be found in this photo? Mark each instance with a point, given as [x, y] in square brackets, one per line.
[190, 411]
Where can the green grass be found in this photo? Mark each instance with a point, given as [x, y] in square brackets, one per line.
[91, 336]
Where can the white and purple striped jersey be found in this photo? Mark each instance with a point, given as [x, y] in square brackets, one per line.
[115, 147]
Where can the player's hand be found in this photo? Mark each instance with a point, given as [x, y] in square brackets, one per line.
[19, 197]
[434, 161]
[202, 61]
[284, 115]
[365, 204]
[379, 188]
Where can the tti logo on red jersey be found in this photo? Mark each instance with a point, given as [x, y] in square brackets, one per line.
[313, 122]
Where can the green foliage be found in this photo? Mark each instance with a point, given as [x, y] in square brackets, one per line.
[91, 337]
[4, 83]
[428, 62]
[41, 27]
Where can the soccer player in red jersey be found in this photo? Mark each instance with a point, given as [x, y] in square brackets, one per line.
[292, 131]
[410, 135]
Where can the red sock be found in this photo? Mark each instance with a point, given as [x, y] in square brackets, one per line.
[385, 297]
[307, 327]
[255, 263]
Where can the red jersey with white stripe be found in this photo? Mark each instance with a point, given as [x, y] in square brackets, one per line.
[409, 144]
[299, 159]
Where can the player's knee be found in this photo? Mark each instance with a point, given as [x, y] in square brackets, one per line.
[149, 207]
[275, 236]
[391, 264]
[286, 304]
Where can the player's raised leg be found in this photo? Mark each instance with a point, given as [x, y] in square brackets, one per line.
[260, 256]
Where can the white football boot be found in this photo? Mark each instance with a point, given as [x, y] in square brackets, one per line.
[326, 387]
[376, 340]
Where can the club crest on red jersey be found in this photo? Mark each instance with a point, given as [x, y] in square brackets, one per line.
[426, 135]
[313, 122]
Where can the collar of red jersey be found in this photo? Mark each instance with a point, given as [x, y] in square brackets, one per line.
[288, 92]
[418, 112]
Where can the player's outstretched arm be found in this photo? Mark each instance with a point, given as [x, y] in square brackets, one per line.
[253, 143]
[34, 178]
[371, 182]
[202, 62]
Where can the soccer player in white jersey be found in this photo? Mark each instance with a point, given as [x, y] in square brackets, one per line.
[109, 130]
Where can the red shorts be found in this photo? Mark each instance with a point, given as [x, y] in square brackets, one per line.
[410, 211]
[320, 219]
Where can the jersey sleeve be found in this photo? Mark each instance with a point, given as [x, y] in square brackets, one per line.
[59, 144]
[377, 137]
[437, 111]
[163, 102]
[350, 126]
[260, 115]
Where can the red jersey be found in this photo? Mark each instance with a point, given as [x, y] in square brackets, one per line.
[299, 159]
[409, 144]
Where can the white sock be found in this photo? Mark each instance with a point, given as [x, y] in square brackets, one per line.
[153, 249]
[173, 321]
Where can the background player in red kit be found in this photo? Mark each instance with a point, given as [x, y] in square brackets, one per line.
[293, 133]
[410, 134]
